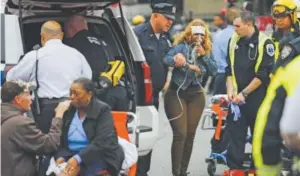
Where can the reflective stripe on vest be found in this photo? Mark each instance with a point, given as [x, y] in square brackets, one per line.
[276, 43]
[234, 40]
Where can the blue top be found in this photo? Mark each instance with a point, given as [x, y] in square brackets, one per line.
[77, 138]
[220, 45]
[184, 77]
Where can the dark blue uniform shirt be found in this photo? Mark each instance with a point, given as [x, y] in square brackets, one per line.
[154, 50]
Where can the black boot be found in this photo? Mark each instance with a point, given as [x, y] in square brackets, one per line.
[185, 174]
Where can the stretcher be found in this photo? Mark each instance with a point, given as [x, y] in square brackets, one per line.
[120, 121]
[215, 119]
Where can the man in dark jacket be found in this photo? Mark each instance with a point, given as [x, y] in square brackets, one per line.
[21, 139]
[98, 54]
[249, 63]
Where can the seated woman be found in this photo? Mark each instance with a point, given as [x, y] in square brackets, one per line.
[89, 142]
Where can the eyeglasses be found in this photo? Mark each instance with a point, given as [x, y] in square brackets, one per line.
[280, 9]
[280, 15]
[237, 26]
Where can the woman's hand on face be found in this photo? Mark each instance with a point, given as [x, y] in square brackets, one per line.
[179, 60]
[195, 68]
[200, 50]
[61, 108]
[72, 168]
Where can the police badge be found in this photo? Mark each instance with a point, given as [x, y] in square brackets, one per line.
[285, 52]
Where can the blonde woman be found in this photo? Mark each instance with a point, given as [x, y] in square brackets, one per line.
[184, 99]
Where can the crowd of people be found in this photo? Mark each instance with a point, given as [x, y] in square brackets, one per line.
[73, 124]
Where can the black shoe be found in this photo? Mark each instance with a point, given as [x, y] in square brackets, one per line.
[185, 174]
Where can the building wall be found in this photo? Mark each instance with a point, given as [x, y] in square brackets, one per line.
[203, 7]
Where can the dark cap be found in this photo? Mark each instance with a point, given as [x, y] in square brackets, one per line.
[11, 89]
[165, 8]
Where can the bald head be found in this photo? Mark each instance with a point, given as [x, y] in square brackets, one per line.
[51, 30]
[75, 24]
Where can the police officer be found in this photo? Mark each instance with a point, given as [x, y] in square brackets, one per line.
[98, 53]
[267, 142]
[286, 25]
[154, 40]
[250, 60]
[96, 50]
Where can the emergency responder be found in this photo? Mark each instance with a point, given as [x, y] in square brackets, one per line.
[154, 40]
[267, 141]
[250, 60]
[290, 127]
[286, 25]
[290, 123]
[78, 37]
[97, 53]
[138, 19]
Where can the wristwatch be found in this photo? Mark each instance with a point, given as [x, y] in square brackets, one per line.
[244, 94]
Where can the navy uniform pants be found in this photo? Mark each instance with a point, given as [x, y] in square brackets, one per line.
[43, 122]
[237, 130]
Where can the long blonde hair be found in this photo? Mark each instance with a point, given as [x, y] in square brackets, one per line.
[187, 35]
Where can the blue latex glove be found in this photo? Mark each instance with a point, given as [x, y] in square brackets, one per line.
[235, 110]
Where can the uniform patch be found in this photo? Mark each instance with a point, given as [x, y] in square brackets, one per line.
[94, 40]
[285, 52]
[174, 9]
[104, 43]
[270, 50]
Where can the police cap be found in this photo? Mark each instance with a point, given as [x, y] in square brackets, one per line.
[164, 7]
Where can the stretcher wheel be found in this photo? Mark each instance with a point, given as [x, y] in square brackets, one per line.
[211, 168]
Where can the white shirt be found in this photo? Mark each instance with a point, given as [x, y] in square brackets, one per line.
[157, 35]
[59, 65]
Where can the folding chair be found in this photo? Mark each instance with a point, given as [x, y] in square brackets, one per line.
[120, 120]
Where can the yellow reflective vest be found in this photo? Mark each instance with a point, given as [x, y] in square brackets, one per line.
[262, 38]
[276, 43]
[287, 77]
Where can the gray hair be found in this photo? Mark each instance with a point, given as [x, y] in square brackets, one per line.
[247, 16]
[11, 89]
